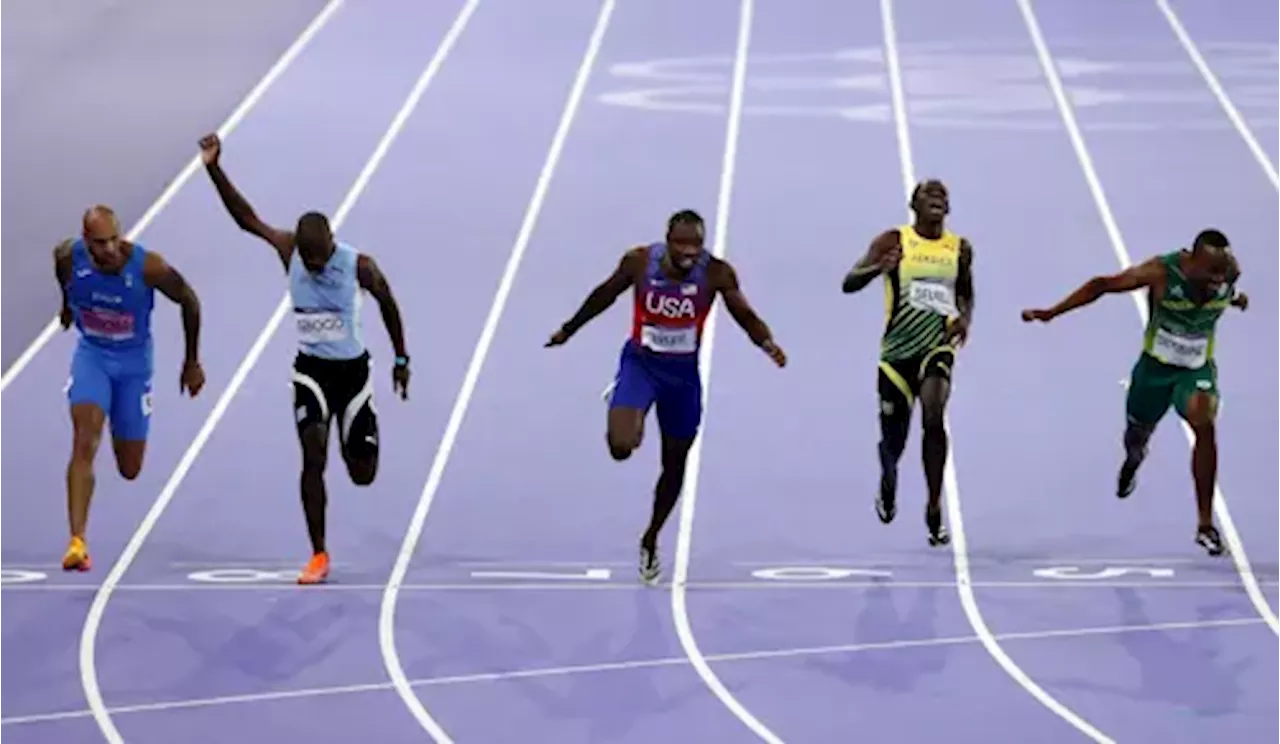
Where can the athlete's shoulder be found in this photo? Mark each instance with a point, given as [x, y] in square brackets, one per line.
[721, 273]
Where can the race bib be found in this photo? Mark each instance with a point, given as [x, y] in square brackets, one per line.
[106, 324]
[1180, 351]
[321, 328]
[933, 296]
[669, 340]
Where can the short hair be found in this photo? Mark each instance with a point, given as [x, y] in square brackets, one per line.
[313, 229]
[685, 217]
[1211, 239]
[920, 186]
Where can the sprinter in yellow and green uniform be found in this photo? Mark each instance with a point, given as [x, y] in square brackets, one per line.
[1187, 292]
[928, 287]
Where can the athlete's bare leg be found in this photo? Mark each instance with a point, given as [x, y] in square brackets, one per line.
[934, 394]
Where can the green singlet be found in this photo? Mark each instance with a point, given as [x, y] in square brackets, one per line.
[1177, 348]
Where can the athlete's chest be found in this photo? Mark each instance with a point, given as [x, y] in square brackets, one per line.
[664, 299]
[334, 288]
[929, 258]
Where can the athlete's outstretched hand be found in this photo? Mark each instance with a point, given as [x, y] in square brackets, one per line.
[557, 339]
[958, 331]
[192, 379]
[1044, 316]
[210, 148]
[775, 353]
[1241, 300]
[65, 317]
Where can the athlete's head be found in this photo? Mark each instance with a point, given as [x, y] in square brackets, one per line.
[685, 235]
[1210, 260]
[101, 231]
[314, 241]
[930, 200]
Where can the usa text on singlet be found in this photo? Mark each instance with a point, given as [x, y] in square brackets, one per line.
[920, 295]
[669, 313]
[326, 306]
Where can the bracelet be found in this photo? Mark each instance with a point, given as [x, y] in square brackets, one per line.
[402, 361]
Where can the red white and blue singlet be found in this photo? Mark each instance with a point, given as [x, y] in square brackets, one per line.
[659, 361]
[669, 314]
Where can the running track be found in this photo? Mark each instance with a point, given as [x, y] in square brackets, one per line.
[1060, 615]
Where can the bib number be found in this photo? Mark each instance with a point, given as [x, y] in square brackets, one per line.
[669, 340]
[107, 324]
[932, 296]
[320, 328]
[1180, 351]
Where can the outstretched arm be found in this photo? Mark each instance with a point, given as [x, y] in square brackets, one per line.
[603, 296]
[157, 272]
[62, 272]
[725, 281]
[1147, 274]
[1239, 299]
[238, 207]
[881, 255]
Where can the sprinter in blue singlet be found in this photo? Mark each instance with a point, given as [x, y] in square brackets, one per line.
[108, 286]
[331, 381]
[676, 283]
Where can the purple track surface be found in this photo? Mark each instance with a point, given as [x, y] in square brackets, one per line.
[1058, 610]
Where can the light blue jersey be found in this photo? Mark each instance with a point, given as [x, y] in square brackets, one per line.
[327, 305]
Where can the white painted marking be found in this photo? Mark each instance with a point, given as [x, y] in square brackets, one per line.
[1075, 573]
[20, 576]
[684, 539]
[1219, 92]
[1227, 524]
[93, 621]
[955, 518]
[242, 576]
[387, 612]
[814, 573]
[618, 666]
[590, 574]
[185, 174]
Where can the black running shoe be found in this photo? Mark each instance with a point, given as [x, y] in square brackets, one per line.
[887, 500]
[1128, 480]
[938, 534]
[1210, 540]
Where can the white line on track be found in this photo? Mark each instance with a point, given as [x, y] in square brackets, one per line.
[185, 174]
[89, 634]
[684, 538]
[618, 666]
[1219, 92]
[1234, 543]
[616, 585]
[964, 582]
[387, 612]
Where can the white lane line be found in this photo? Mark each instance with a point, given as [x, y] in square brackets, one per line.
[387, 612]
[684, 539]
[619, 666]
[185, 174]
[1234, 543]
[964, 581]
[89, 634]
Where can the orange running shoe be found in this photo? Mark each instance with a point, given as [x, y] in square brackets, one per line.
[317, 570]
[77, 556]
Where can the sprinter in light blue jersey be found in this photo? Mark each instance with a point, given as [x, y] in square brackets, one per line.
[331, 371]
[108, 287]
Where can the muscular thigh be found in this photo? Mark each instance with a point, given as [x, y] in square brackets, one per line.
[634, 392]
[1194, 383]
[1150, 393]
[679, 402]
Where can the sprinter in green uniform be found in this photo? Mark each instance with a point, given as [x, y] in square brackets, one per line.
[1187, 292]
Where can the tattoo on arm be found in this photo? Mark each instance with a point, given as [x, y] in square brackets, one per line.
[246, 218]
[168, 281]
[725, 280]
[375, 283]
[604, 295]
